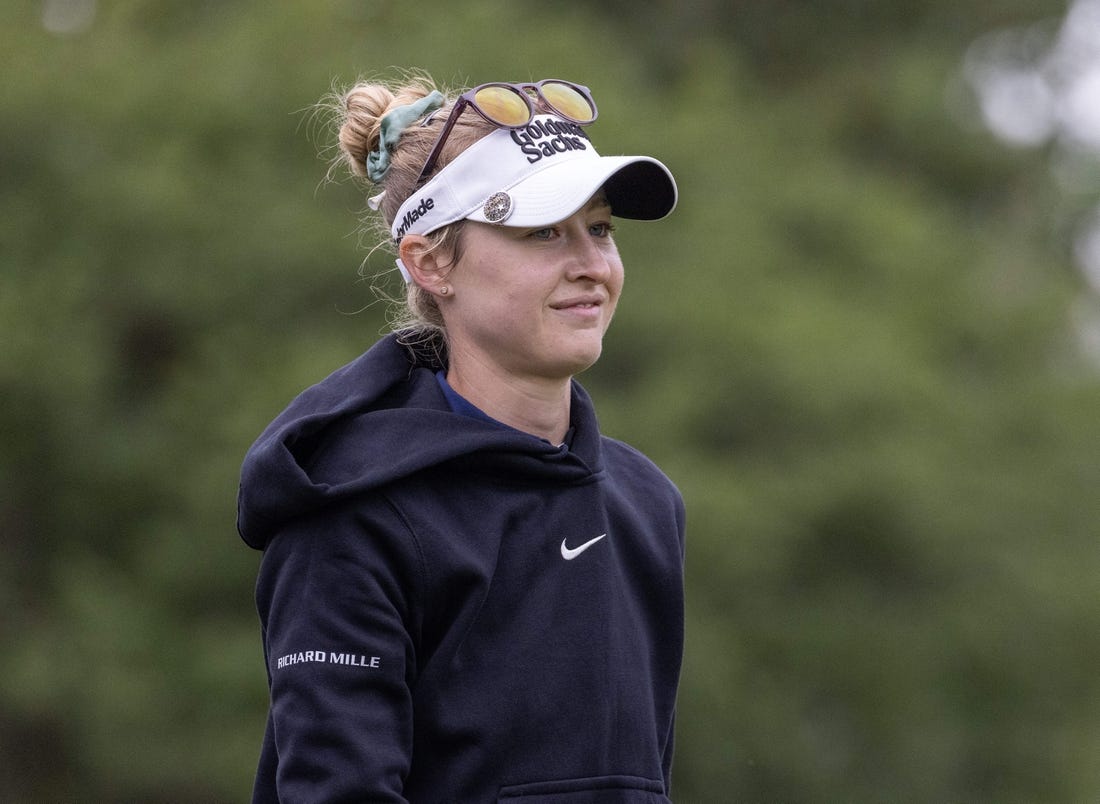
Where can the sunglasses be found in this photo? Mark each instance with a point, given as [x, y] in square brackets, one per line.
[515, 106]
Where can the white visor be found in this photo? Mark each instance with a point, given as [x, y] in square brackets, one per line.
[534, 176]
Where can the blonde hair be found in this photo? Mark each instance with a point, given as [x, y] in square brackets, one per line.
[357, 113]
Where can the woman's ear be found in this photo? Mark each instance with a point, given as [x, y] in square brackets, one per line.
[425, 264]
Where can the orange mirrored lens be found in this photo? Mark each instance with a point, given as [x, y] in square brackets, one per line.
[503, 105]
[568, 101]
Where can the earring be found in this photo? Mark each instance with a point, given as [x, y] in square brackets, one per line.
[444, 290]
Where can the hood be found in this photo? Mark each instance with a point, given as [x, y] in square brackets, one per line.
[378, 419]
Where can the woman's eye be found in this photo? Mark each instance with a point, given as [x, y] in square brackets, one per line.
[543, 234]
[601, 229]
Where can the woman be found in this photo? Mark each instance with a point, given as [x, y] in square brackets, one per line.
[467, 592]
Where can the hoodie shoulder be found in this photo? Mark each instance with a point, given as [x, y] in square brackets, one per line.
[279, 475]
[631, 469]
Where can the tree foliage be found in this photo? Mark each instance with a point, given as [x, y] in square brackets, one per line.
[852, 346]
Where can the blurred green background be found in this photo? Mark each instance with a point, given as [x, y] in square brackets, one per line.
[864, 346]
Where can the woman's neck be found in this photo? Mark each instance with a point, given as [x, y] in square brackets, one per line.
[535, 405]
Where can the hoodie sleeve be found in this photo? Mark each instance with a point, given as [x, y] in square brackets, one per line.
[335, 597]
[670, 740]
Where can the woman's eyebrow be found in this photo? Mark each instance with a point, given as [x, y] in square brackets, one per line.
[597, 201]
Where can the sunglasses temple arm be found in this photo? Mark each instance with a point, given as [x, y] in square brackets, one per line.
[437, 149]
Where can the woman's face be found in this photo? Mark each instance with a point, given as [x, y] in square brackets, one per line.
[535, 303]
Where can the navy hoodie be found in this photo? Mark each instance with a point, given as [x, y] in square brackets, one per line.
[454, 610]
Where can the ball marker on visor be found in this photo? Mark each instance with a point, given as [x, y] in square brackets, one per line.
[497, 208]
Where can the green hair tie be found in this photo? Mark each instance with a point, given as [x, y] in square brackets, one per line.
[394, 122]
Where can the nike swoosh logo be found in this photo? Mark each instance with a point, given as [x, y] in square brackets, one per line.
[569, 554]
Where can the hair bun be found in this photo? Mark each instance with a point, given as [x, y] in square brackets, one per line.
[360, 112]
[362, 108]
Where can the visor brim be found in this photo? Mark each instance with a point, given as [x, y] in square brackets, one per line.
[637, 187]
